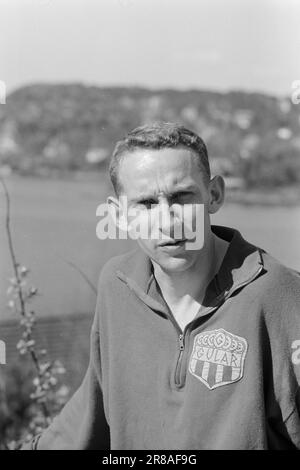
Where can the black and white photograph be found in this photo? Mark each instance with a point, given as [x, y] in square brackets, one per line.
[149, 227]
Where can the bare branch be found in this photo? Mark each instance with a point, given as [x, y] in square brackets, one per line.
[82, 273]
[11, 248]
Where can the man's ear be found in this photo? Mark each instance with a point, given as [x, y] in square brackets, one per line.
[117, 213]
[216, 194]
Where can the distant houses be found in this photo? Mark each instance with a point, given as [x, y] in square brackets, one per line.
[8, 139]
[74, 127]
[96, 155]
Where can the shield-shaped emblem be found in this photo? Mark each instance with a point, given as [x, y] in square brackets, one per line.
[218, 358]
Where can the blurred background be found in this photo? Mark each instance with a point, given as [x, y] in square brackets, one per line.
[78, 76]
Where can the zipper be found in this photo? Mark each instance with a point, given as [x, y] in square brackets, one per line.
[179, 360]
[181, 337]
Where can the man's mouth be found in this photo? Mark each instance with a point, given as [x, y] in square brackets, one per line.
[172, 242]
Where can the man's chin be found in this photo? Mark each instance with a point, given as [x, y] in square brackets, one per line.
[174, 264]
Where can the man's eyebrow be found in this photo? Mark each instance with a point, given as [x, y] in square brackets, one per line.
[178, 190]
[181, 189]
[143, 197]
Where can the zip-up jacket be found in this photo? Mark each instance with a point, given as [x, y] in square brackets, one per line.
[230, 380]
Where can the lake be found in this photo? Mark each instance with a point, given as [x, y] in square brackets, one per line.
[54, 224]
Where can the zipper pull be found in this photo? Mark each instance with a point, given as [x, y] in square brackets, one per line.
[181, 343]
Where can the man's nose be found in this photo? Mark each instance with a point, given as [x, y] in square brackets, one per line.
[167, 221]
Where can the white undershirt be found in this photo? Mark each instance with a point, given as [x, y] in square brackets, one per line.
[185, 311]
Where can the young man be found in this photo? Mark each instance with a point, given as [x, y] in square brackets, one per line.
[192, 346]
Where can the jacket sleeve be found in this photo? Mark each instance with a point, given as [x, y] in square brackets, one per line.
[292, 335]
[81, 425]
[284, 328]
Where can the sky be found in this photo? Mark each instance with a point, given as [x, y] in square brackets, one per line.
[222, 45]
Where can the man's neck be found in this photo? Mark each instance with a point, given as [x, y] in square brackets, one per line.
[192, 283]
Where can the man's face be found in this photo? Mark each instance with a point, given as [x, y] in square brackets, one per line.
[155, 182]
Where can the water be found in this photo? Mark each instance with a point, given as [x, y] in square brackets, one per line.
[276, 229]
[54, 222]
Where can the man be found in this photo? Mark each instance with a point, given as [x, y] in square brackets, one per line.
[191, 347]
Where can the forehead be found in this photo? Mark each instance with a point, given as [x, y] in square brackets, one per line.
[151, 171]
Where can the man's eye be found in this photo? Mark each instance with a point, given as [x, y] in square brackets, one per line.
[148, 203]
[181, 196]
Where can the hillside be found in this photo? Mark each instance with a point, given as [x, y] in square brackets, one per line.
[74, 127]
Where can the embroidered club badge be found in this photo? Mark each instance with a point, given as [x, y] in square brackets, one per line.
[218, 358]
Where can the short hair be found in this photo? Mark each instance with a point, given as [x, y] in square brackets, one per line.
[157, 136]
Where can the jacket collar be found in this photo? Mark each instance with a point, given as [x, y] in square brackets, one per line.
[242, 263]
